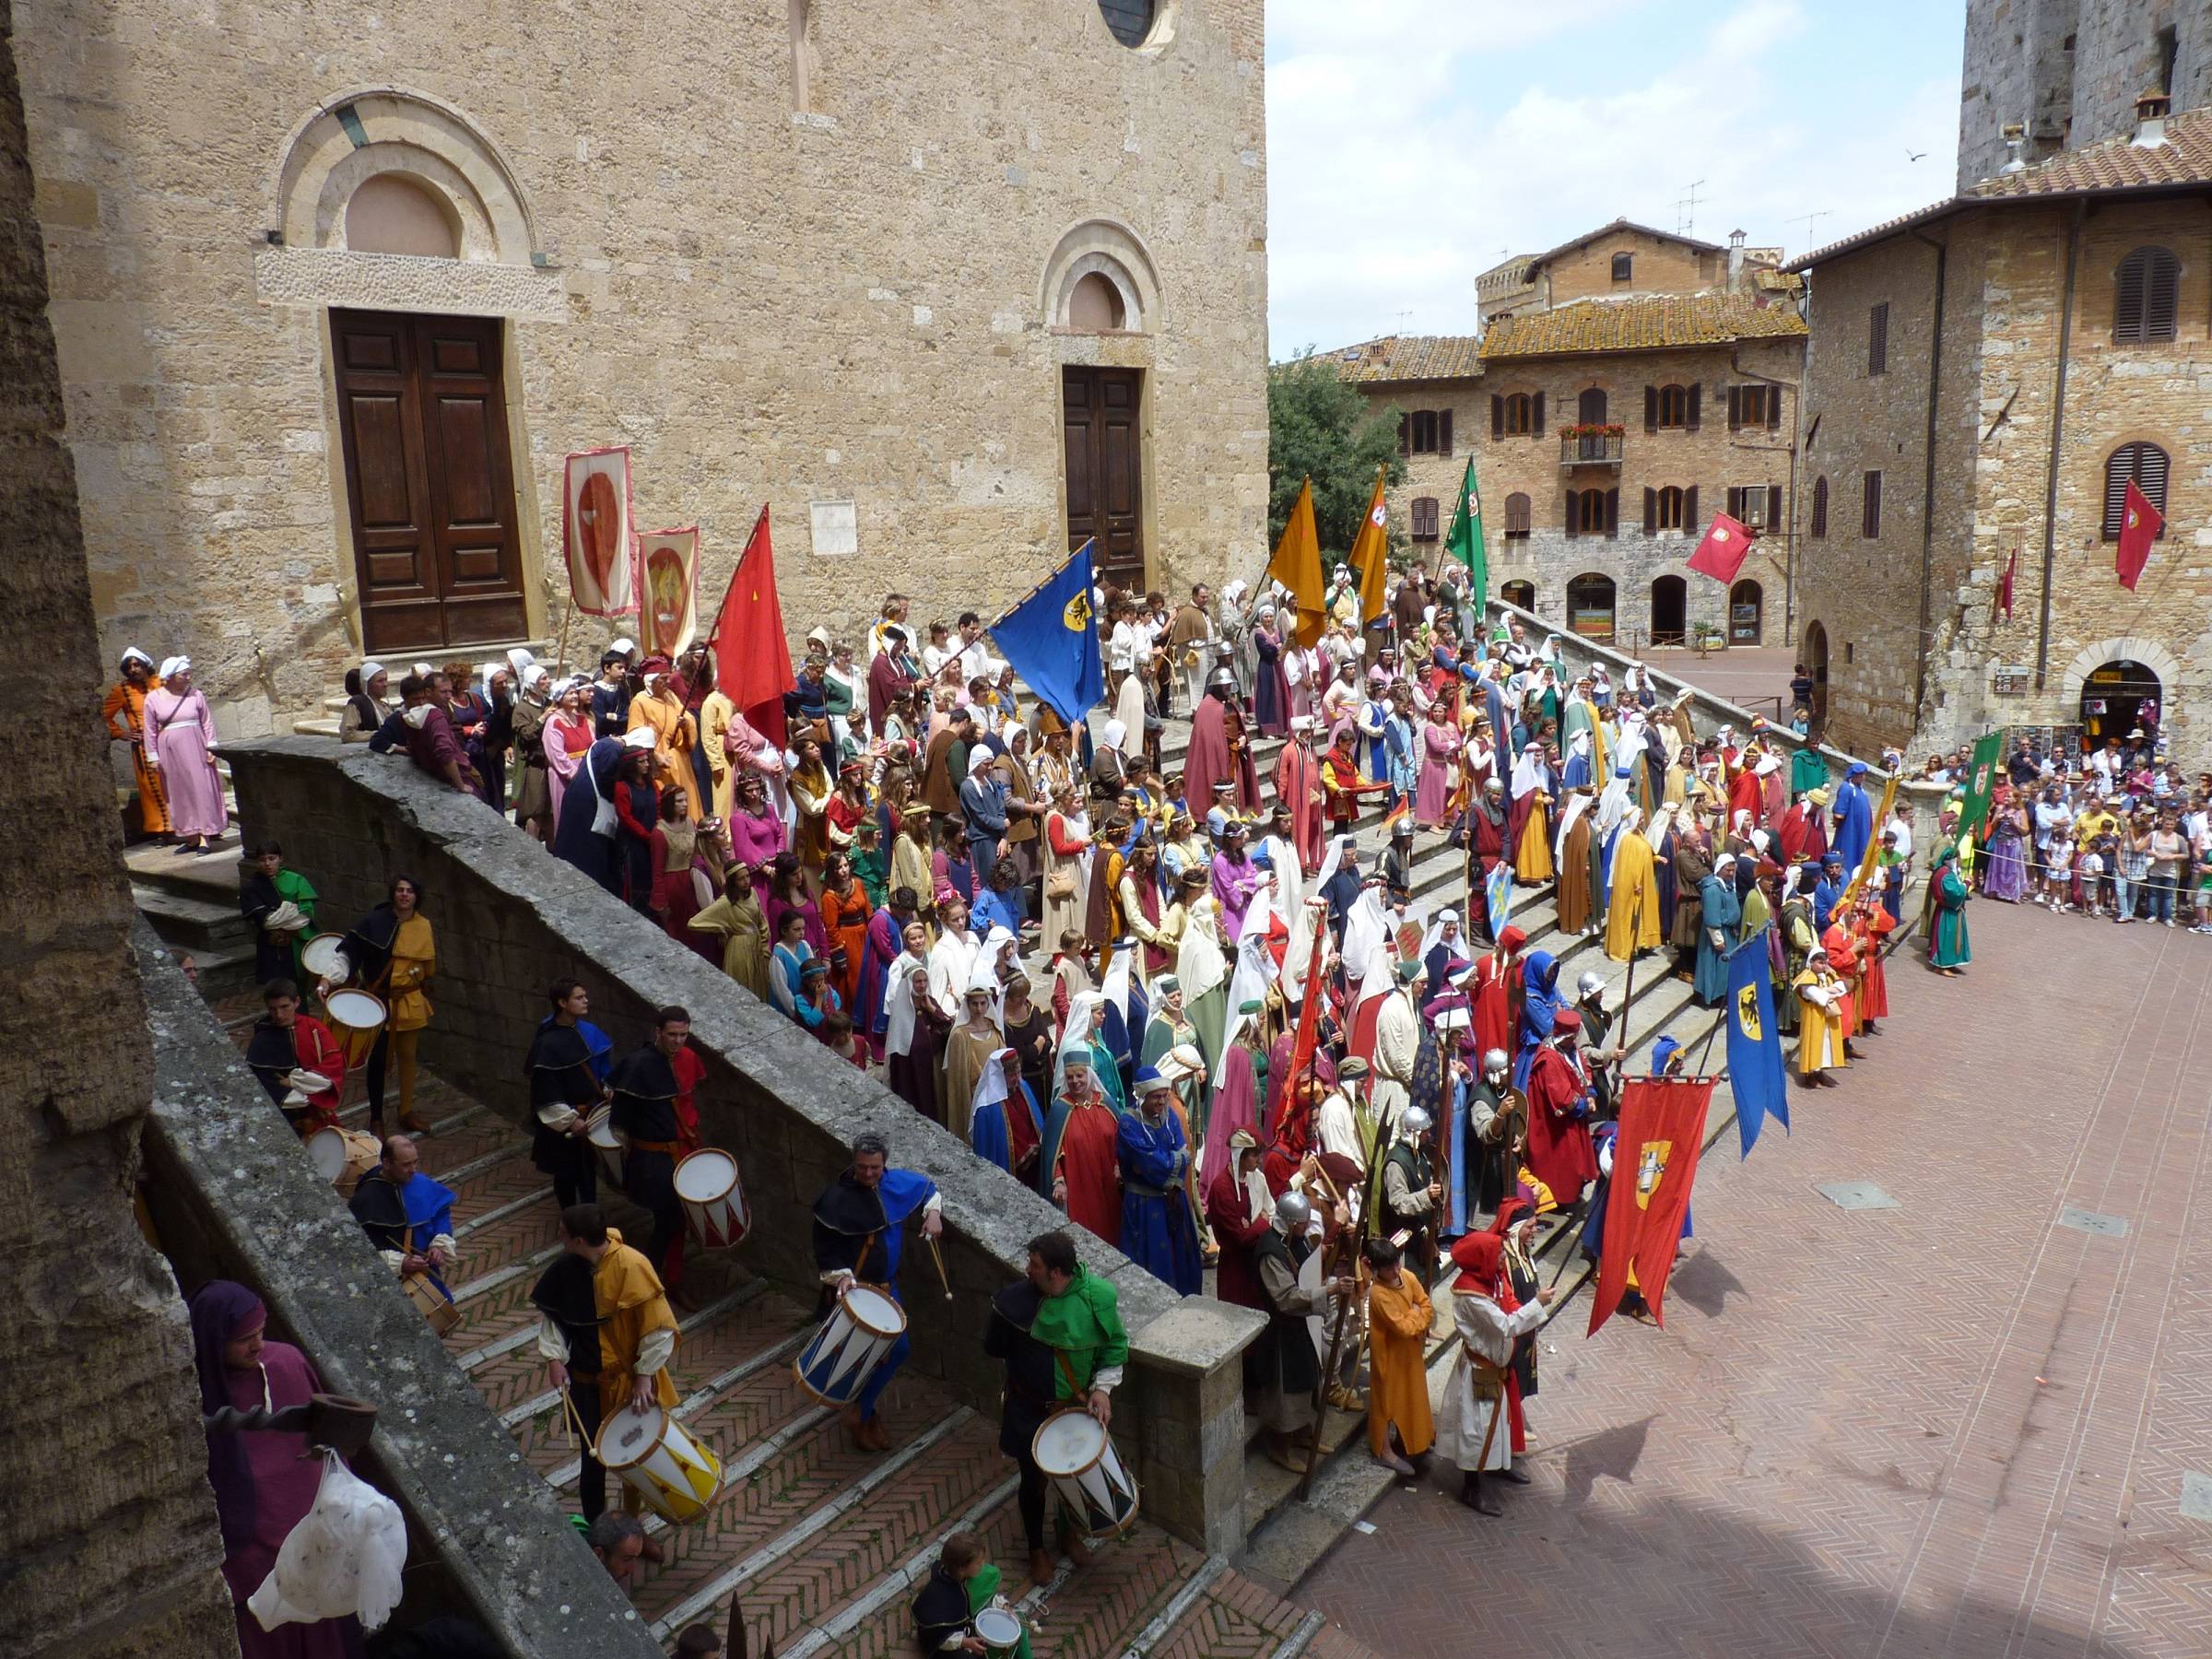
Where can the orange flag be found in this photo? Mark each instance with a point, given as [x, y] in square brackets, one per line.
[752, 660]
[1297, 565]
[1371, 555]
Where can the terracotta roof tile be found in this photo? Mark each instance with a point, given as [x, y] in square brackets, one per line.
[1408, 358]
[1639, 325]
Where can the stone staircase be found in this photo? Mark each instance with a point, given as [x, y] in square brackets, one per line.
[816, 1545]
[192, 903]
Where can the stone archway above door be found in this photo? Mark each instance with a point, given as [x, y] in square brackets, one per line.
[2132, 649]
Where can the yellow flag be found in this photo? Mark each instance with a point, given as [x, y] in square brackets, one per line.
[1371, 554]
[1297, 565]
[1868, 865]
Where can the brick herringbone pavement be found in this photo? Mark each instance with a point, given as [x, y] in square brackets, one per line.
[1954, 1428]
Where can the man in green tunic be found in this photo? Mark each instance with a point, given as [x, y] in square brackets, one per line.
[1947, 948]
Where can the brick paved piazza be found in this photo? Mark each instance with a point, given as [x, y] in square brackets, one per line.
[1960, 1427]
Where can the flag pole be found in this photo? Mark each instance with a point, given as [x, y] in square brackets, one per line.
[1051, 577]
[1628, 997]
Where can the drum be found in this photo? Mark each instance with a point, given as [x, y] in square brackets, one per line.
[673, 1475]
[1077, 1457]
[431, 1301]
[324, 957]
[998, 1629]
[863, 1326]
[603, 1142]
[706, 1181]
[342, 1156]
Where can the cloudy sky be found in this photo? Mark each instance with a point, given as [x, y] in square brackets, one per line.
[1413, 143]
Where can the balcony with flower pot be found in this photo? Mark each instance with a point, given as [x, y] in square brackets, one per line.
[1591, 444]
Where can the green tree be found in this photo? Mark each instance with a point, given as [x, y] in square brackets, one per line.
[1320, 427]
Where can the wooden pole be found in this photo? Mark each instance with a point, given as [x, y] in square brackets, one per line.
[938, 1255]
[1627, 999]
[1321, 1390]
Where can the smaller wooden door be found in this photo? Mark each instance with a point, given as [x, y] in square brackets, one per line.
[1100, 412]
[429, 481]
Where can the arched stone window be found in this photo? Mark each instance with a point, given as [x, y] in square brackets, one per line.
[390, 213]
[1126, 290]
[1094, 304]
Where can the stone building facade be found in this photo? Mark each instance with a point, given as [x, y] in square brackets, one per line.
[2001, 365]
[1619, 260]
[2068, 73]
[333, 298]
[1591, 530]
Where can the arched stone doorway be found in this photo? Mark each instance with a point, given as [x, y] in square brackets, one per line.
[2120, 697]
[1816, 664]
[1590, 607]
[1670, 610]
[1523, 593]
[1745, 604]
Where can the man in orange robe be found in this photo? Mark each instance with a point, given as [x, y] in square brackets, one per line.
[1399, 1315]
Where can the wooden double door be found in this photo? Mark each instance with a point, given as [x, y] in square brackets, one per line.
[1100, 414]
[430, 482]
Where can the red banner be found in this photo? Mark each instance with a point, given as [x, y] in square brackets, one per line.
[600, 546]
[669, 560]
[1654, 1163]
[752, 659]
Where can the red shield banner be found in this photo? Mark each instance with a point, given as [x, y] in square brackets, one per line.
[669, 560]
[1654, 1163]
[595, 531]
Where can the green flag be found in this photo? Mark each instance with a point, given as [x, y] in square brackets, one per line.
[1466, 543]
[1981, 779]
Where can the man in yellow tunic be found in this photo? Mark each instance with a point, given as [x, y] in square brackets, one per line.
[661, 711]
[1399, 1315]
[1632, 914]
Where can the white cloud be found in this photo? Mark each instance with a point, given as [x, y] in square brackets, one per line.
[1400, 165]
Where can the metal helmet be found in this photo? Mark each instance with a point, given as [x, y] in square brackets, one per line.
[1222, 679]
[1495, 1060]
[1293, 1211]
[1589, 985]
[1416, 1122]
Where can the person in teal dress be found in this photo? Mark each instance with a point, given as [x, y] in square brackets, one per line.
[1948, 949]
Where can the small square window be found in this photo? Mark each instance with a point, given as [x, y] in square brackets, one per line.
[1623, 264]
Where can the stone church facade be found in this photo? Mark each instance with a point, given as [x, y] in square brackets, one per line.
[948, 290]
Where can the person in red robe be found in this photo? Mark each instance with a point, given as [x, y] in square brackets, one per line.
[1560, 1153]
[1492, 989]
[1803, 830]
[1745, 795]
[1842, 947]
[1297, 786]
[1081, 1152]
[1870, 925]
[1219, 753]
[1234, 1227]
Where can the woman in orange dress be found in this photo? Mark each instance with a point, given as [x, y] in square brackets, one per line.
[127, 699]
[845, 913]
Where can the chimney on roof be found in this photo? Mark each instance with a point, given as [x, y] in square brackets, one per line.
[1735, 260]
[2150, 120]
[2016, 139]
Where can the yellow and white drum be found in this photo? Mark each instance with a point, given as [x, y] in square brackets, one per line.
[1077, 1457]
[706, 1181]
[605, 1143]
[430, 1301]
[673, 1475]
[998, 1630]
[342, 1156]
[863, 1326]
[356, 1018]
[324, 957]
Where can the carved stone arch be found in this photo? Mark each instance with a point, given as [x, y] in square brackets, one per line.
[1113, 251]
[2149, 652]
[356, 135]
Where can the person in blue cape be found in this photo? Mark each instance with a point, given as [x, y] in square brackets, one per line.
[407, 1215]
[1003, 1124]
[1827, 892]
[1721, 913]
[567, 1066]
[1159, 1230]
[1853, 814]
[584, 833]
[859, 1226]
[1540, 1004]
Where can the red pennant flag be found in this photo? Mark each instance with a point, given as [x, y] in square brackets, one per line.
[2139, 525]
[1720, 555]
[2012, 567]
[1654, 1163]
[752, 659]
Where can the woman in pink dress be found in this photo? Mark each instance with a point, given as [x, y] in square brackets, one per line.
[264, 1486]
[568, 734]
[1432, 787]
[756, 832]
[180, 743]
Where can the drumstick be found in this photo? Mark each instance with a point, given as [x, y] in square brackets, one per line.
[938, 1255]
[568, 1436]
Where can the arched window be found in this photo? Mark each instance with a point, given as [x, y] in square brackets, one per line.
[1673, 407]
[1094, 304]
[1516, 517]
[1820, 508]
[1589, 407]
[1523, 593]
[392, 214]
[1745, 601]
[1131, 20]
[1424, 518]
[1593, 512]
[1515, 414]
[2146, 288]
[1590, 607]
[1664, 509]
[2145, 465]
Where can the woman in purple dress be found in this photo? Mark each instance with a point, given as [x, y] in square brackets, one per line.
[2006, 876]
[1268, 694]
[264, 1486]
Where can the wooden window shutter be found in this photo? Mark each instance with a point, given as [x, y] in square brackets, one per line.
[1496, 415]
[1404, 435]
[1697, 398]
[1774, 507]
[1735, 407]
[1651, 410]
[1735, 504]
[1651, 510]
[1820, 507]
[1870, 511]
[2147, 463]
[1443, 432]
[1536, 423]
[1574, 505]
[2160, 297]
[1613, 512]
[1689, 507]
[1773, 407]
[1878, 339]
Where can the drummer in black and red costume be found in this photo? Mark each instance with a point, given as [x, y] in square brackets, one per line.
[1060, 1333]
[652, 1086]
[284, 1042]
[859, 1226]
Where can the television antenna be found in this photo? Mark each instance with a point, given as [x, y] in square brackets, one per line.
[1686, 209]
[1806, 221]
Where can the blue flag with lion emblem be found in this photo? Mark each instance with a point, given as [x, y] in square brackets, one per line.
[1052, 638]
[1756, 1072]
